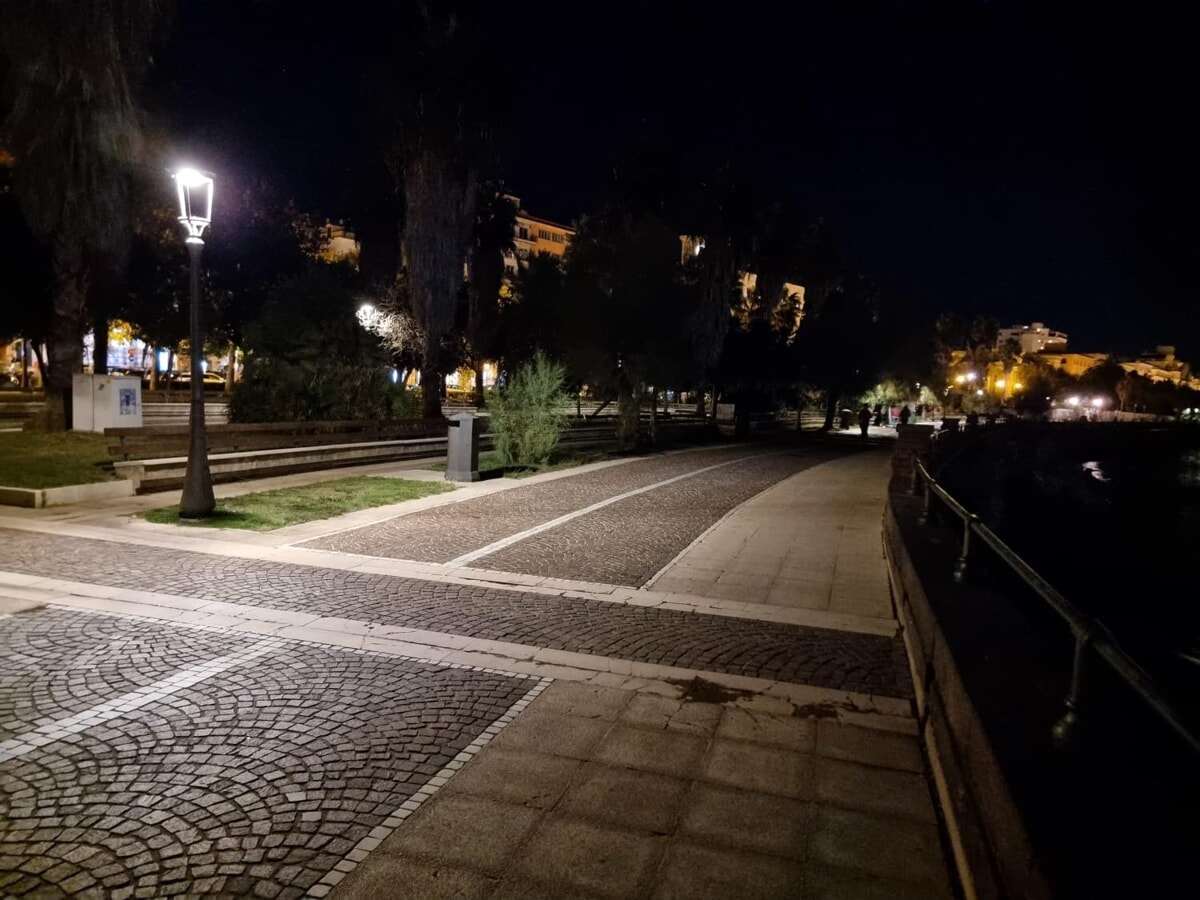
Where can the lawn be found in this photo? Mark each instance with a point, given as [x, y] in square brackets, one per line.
[268, 510]
[30, 459]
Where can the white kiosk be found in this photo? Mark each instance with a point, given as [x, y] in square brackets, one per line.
[106, 401]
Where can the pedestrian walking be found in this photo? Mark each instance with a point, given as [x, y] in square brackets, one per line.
[864, 419]
[905, 414]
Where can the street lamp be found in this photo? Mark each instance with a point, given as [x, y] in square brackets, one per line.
[195, 214]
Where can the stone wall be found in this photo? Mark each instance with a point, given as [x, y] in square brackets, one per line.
[991, 848]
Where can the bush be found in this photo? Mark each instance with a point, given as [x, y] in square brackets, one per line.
[310, 360]
[527, 414]
[278, 391]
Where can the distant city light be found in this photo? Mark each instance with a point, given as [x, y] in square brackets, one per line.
[959, 379]
[1018, 386]
[971, 376]
[1072, 401]
[1097, 402]
[979, 392]
[1000, 382]
[395, 376]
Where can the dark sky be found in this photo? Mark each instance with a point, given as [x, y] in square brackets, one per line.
[1035, 161]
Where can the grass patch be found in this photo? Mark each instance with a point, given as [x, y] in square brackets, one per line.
[31, 459]
[491, 466]
[268, 510]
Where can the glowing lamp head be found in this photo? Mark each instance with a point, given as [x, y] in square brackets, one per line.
[195, 201]
[1072, 401]
[1000, 382]
[971, 376]
[1097, 402]
[959, 379]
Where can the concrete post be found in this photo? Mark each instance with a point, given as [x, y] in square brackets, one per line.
[462, 448]
[912, 442]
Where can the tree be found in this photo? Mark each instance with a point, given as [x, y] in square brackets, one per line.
[26, 283]
[533, 318]
[444, 113]
[74, 128]
[839, 347]
[625, 303]
[495, 221]
[309, 359]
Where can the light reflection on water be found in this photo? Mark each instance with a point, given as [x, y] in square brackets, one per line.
[1095, 468]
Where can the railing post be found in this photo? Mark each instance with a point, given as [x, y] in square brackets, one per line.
[1064, 729]
[960, 567]
[923, 519]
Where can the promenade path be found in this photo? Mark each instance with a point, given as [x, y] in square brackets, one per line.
[671, 676]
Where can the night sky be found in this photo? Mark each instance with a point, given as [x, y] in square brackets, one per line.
[1032, 162]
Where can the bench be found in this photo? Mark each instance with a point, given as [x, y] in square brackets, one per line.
[155, 458]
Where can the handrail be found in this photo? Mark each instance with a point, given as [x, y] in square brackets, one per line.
[1087, 631]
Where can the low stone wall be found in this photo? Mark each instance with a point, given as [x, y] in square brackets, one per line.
[991, 848]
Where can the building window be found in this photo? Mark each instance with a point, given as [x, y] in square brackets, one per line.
[543, 234]
[523, 232]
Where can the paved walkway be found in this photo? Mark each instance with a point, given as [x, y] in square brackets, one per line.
[623, 680]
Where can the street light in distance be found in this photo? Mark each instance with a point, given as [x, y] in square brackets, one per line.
[195, 214]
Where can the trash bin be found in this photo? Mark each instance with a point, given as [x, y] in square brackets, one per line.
[846, 416]
[462, 448]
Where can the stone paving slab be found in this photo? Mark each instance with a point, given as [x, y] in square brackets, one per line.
[447, 532]
[259, 780]
[631, 540]
[563, 817]
[864, 663]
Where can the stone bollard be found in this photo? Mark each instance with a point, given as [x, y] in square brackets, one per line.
[462, 448]
[912, 442]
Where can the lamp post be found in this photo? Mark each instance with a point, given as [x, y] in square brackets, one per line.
[195, 214]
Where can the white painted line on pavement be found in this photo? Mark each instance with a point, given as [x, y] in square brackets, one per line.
[112, 709]
[495, 546]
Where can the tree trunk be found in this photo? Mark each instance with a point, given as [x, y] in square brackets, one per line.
[700, 410]
[479, 400]
[833, 397]
[431, 395]
[654, 415]
[66, 341]
[26, 381]
[627, 416]
[100, 343]
[231, 368]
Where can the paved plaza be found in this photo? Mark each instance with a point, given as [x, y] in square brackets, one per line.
[670, 676]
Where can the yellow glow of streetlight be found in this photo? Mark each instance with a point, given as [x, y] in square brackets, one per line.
[1000, 382]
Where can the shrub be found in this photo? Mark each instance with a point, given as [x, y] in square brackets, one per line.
[527, 414]
[310, 360]
[275, 390]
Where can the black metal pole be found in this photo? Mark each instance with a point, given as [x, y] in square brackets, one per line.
[197, 501]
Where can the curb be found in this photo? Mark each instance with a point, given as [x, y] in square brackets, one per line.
[39, 498]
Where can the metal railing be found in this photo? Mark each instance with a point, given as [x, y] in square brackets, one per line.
[1088, 633]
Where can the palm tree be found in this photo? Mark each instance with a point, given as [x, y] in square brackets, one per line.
[73, 126]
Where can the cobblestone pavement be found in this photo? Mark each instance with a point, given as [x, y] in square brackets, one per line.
[51, 673]
[840, 660]
[446, 532]
[631, 540]
[258, 780]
